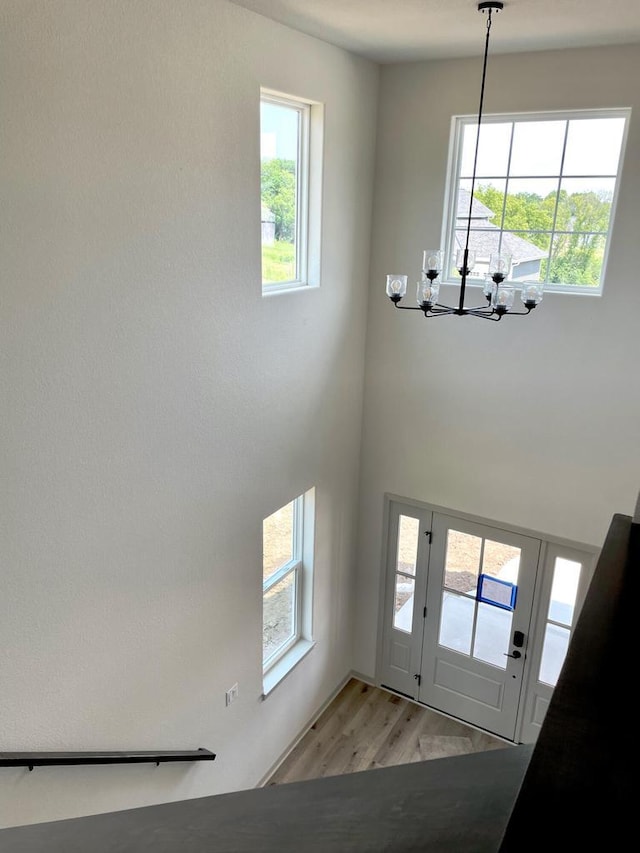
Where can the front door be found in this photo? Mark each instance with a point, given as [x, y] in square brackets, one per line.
[460, 628]
[479, 602]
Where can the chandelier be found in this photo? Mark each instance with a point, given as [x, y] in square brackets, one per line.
[500, 295]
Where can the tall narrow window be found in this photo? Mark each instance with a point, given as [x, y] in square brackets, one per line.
[544, 195]
[287, 586]
[284, 190]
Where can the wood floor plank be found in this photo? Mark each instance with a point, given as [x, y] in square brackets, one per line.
[368, 727]
[402, 741]
[369, 739]
[306, 759]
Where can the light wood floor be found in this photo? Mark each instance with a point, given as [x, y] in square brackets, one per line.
[366, 727]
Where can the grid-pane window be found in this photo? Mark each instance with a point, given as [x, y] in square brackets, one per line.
[284, 190]
[281, 580]
[544, 194]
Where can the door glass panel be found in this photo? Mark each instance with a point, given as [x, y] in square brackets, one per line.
[407, 545]
[456, 622]
[462, 562]
[566, 575]
[493, 633]
[554, 650]
[501, 561]
[403, 604]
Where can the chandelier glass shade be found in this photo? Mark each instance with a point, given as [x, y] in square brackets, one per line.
[500, 295]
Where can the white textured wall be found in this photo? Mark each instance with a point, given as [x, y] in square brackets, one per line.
[532, 421]
[154, 408]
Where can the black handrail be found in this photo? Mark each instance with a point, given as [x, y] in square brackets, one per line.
[50, 759]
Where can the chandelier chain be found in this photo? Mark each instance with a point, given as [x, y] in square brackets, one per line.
[480, 110]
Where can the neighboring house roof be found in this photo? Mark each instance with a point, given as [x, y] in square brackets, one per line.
[266, 214]
[478, 209]
[483, 243]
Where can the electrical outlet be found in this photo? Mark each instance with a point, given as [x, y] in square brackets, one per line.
[232, 694]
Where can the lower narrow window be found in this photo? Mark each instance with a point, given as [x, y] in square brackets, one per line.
[287, 536]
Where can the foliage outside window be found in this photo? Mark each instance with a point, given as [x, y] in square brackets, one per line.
[545, 194]
[284, 190]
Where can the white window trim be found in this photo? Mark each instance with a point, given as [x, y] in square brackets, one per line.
[308, 191]
[453, 178]
[284, 659]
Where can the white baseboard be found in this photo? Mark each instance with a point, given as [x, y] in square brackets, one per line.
[368, 679]
[308, 725]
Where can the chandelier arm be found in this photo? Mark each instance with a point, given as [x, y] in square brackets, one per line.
[520, 313]
[443, 313]
[463, 283]
[481, 309]
[493, 316]
[448, 308]
[407, 307]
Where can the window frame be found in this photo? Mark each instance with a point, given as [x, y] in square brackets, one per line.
[308, 190]
[291, 567]
[283, 659]
[453, 177]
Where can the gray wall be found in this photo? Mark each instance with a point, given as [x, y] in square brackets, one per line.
[535, 421]
[155, 408]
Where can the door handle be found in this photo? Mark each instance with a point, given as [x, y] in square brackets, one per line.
[515, 655]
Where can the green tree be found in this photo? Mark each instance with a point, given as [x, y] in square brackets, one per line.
[576, 255]
[278, 193]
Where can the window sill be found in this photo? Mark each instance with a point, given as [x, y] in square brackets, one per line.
[283, 667]
[289, 287]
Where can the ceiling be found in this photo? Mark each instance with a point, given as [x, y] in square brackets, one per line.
[408, 30]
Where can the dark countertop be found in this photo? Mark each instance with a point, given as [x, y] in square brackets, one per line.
[459, 805]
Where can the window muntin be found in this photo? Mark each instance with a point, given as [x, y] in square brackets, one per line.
[284, 191]
[545, 192]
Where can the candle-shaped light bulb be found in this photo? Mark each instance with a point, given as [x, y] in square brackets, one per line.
[532, 292]
[499, 266]
[427, 291]
[502, 298]
[432, 261]
[396, 286]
